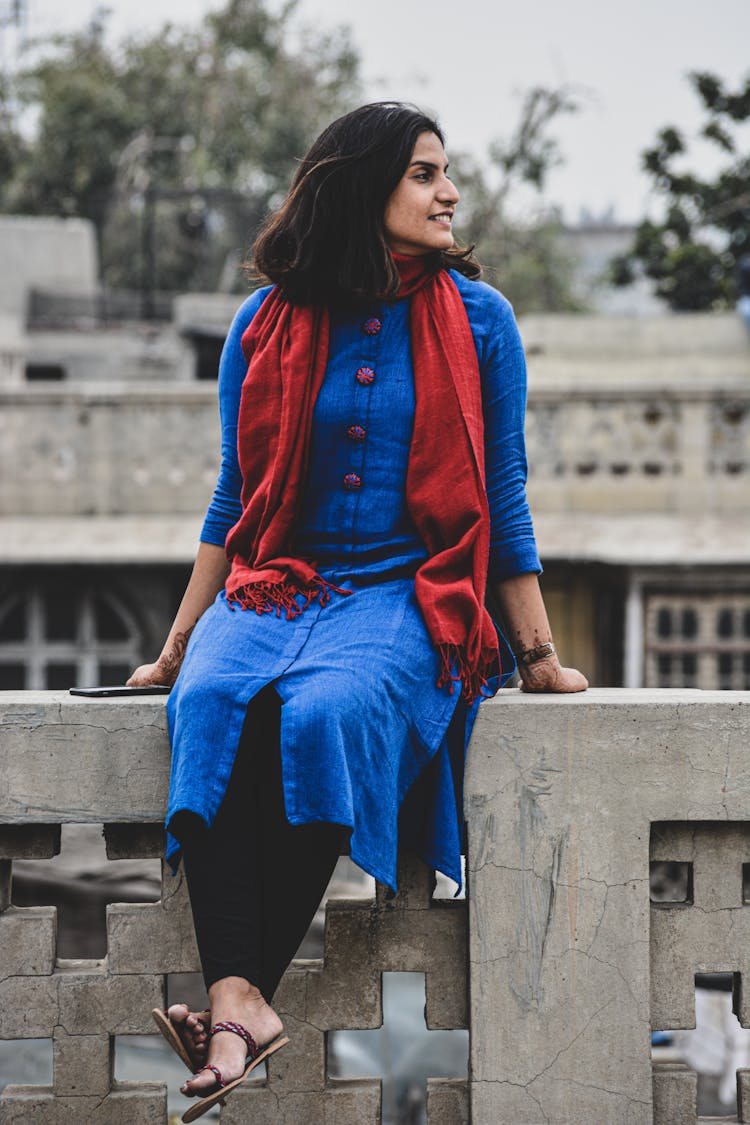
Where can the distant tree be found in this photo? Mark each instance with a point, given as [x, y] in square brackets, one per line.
[503, 211]
[693, 252]
[176, 144]
[10, 139]
[187, 134]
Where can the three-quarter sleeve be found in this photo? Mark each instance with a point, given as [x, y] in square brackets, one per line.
[225, 507]
[513, 547]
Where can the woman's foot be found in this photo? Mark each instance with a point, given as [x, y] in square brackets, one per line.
[192, 1029]
[235, 999]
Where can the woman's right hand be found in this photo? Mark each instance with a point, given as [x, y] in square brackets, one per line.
[165, 669]
[157, 673]
[208, 577]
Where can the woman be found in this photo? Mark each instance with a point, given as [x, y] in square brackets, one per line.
[355, 516]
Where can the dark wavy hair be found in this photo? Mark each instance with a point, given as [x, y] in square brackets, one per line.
[326, 243]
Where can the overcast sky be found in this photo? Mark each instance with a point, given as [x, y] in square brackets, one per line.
[467, 62]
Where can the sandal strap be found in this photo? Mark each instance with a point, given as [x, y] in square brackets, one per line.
[216, 1073]
[237, 1029]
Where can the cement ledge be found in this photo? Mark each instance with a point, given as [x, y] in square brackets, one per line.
[67, 759]
[508, 697]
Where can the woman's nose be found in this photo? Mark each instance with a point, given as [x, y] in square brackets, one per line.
[448, 192]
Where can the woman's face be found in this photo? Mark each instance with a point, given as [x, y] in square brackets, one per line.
[419, 213]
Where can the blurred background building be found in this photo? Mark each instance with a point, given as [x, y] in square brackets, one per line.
[639, 449]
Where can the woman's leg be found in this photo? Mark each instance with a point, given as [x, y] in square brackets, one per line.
[255, 883]
[222, 867]
[301, 860]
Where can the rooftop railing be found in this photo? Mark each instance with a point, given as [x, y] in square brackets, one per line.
[135, 449]
[557, 962]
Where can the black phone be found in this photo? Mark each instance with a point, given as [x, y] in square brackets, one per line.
[120, 689]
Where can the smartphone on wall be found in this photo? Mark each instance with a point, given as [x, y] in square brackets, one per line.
[120, 689]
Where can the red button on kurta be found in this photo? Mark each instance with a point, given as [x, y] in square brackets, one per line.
[372, 326]
[356, 433]
[365, 376]
[352, 482]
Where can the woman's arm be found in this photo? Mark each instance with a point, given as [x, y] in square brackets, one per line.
[209, 575]
[514, 562]
[211, 567]
[526, 620]
[225, 507]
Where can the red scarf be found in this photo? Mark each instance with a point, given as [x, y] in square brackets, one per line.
[287, 349]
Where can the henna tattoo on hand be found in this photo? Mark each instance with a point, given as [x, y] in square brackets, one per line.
[171, 662]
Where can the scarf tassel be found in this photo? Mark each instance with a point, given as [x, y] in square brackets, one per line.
[270, 597]
[455, 667]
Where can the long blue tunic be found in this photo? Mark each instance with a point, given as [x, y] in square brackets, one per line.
[367, 738]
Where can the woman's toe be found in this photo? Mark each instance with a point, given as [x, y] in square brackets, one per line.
[197, 1085]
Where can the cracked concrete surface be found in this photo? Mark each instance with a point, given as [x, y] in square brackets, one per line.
[567, 960]
[561, 794]
[107, 761]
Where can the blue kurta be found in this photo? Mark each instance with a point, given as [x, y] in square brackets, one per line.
[367, 738]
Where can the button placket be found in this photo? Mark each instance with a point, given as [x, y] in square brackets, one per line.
[365, 376]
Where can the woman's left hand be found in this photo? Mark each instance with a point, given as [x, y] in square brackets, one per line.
[549, 675]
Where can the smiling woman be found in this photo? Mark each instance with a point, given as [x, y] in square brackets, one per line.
[333, 239]
[333, 644]
[419, 215]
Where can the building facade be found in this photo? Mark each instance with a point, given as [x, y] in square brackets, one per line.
[639, 450]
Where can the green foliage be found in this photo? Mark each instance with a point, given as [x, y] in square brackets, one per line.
[519, 244]
[10, 140]
[194, 132]
[176, 145]
[692, 254]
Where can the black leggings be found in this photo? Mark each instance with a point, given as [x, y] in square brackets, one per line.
[255, 880]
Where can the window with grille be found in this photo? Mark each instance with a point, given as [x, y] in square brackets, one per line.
[64, 636]
[698, 639]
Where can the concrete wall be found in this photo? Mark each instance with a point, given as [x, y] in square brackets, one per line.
[568, 800]
[127, 449]
[678, 344]
[45, 253]
[592, 245]
[108, 450]
[12, 351]
[138, 353]
[568, 964]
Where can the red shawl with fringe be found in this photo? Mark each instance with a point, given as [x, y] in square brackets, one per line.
[287, 349]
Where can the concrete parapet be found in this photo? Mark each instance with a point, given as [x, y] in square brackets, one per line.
[638, 444]
[447, 1101]
[132, 1103]
[339, 1103]
[569, 964]
[83, 1064]
[144, 937]
[73, 760]
[29, 841]
[561, 799]
[675, 1093]
[28, 940]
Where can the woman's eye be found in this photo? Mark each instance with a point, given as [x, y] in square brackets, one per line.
[422, 176]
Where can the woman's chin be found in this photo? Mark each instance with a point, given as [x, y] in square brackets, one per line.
[429, 246]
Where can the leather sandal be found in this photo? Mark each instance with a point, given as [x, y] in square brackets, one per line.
[173, 1037]
[255, 1055]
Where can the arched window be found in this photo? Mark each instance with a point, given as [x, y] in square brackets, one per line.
[61, 635]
